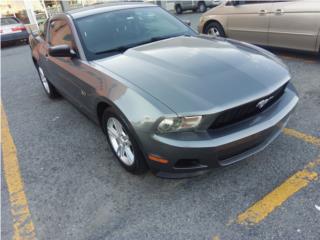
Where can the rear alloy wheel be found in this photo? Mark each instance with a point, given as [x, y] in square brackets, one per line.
[122, 142]
[178, 9]
[48, 87]
[202, 7]
[214, 29]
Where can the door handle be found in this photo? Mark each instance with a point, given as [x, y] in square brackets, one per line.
[279, 11]
[263, 12]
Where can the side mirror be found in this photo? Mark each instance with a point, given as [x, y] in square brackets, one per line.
[62, 51]
[187, 22]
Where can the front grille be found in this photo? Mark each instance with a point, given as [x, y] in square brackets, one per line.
[237, 114]
[244, 145]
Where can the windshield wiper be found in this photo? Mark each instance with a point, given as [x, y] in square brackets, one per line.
[122, 49]
[155, 39]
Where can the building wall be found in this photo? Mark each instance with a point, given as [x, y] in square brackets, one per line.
[33, 13]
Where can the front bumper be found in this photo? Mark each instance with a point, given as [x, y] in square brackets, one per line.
[192, 152]
[23, 35]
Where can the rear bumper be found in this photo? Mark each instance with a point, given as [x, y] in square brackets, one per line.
[188, 153]
[14, 36]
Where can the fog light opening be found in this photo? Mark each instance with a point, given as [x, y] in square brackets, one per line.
[188, 163]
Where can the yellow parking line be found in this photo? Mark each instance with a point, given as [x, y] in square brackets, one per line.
[261, 209]
[23, 228]
[302, 136]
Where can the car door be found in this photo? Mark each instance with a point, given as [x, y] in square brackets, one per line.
[187, 5]
[295, 24]
[249, 21]
[62, 70]
[74, 77]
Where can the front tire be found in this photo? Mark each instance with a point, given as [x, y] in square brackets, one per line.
[122, 142]
[47, 86]
[214, 29]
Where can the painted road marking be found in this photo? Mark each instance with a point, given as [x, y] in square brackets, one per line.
[23, 227]
[305, 137]
[261, 209]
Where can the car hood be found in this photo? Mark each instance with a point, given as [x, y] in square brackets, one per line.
[197, 75]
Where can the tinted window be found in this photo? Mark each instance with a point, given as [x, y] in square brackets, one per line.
[110, 30]
[60, 33]
[8, 21]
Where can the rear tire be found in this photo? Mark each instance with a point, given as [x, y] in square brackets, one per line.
[202, 7]
[178, 9]
[214, 29]
[122, 142]
[49, 89]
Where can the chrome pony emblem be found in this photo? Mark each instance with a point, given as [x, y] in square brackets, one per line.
[263, 102]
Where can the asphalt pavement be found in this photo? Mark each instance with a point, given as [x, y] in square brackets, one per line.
[76, 189]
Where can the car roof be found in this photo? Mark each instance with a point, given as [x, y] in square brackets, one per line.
[106, 7]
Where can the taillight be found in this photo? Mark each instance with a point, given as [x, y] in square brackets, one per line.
[18, 29]
[1, 31]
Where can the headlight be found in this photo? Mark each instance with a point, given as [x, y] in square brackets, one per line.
[177, 124]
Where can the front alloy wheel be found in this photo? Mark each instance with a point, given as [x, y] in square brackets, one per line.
[44, 80]
[214, 32]
[122, 141]
[214, 29]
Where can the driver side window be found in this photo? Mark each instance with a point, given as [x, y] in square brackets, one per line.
[60, 33]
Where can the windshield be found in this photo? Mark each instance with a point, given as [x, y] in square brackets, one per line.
[113, 32]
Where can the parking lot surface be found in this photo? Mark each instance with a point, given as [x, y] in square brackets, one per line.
[62, 182]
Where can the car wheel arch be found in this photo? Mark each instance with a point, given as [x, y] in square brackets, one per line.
[104, 104]
[202, 2]
[212, 21]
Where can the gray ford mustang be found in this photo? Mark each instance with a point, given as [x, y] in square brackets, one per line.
[168, 99]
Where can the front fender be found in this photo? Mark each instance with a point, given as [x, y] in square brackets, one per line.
[140, 108]
[205, 19]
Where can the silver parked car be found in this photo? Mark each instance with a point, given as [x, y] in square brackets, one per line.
[12, 30]
[286, 24]
[167, 99]
[201, 6]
